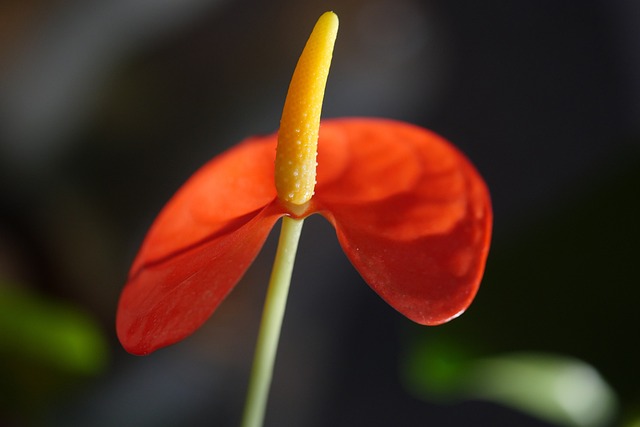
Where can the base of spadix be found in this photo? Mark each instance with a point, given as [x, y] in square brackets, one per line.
[296, 211]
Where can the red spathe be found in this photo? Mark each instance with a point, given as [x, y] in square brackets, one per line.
[411, 213]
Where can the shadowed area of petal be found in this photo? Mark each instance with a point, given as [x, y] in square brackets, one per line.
[400, 181]
[422, 249]
[167, 300]
[356, 158]
[232, 185]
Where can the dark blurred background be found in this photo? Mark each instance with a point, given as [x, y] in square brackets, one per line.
[107, 107]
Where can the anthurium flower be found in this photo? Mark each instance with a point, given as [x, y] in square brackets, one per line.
[410, 211]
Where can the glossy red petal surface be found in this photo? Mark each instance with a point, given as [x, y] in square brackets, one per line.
[410, 211]
[199, 247]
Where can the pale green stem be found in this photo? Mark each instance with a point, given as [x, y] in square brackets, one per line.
[272, 316]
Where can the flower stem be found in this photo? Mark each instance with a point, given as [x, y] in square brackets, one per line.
[271, 323]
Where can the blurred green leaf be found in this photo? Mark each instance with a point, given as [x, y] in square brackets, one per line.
[558, 389]
[47, 348]
[49, 333]
[435, 369]
[634, 423]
